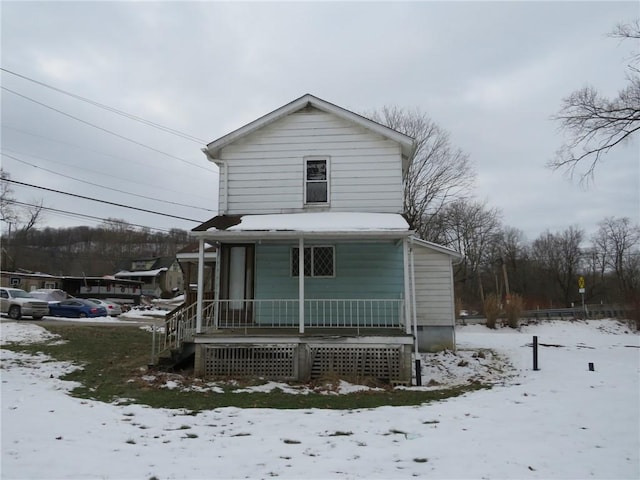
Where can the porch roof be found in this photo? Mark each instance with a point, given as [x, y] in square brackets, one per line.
[140, 273]
[312, 224]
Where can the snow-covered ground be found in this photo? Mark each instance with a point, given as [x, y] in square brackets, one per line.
[562, 421]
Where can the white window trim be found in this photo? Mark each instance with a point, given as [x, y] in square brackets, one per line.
[304, 180]
[312, 247]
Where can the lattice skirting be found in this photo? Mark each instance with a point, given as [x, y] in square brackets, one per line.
[269, 361]
[384, 363]
[304, 361]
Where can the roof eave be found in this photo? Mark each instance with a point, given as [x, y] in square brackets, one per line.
[256, 235]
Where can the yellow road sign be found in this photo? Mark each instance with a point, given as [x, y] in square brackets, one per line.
[580, 282]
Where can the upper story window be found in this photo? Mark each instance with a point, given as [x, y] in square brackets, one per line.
[316, 180]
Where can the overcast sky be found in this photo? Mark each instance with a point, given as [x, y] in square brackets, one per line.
[491, 74]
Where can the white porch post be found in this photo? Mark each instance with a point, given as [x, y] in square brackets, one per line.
[407, 291]
[413, 299]
[200, 286]
[301, 285]
[216, 288]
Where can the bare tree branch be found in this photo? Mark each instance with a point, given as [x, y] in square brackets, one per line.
[438, 173]
[595, 124]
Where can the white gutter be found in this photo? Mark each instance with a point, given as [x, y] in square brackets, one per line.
[231, 235]
[222, 165]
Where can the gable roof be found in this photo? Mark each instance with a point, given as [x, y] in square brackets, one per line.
[407, 143]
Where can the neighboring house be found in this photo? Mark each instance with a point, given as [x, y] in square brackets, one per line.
[188, 259]
[161, 277]
[29, 280]
[107, 288]
[317, 269]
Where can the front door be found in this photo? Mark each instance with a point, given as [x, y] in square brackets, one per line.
[236, 285]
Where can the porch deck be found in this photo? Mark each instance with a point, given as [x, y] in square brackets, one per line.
[349, 341]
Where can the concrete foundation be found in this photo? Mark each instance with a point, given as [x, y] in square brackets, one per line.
[435, 338]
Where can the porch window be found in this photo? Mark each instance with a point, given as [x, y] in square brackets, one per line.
[316, 180]
[318, 261]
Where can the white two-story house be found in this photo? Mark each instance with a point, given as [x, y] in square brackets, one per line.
[317, 269]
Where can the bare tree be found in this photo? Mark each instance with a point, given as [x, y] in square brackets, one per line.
[594, 123]
[25, 216]
[438, 173]
[559, 255]
[7, 200]
[470, 228]
[619, 241]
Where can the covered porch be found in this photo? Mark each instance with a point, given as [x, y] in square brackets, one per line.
[297, 297]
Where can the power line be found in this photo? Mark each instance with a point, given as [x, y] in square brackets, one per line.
[101, 201]
[102, 186]
[105, 130]
[110, 109]
[87, 217]
[101, 153]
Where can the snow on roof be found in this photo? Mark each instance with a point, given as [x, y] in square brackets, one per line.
[141, 273]
[323, 222]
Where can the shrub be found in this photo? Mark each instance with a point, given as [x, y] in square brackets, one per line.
[513, 310]
[491, 310]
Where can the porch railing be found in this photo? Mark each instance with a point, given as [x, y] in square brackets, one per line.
[180, 326]
[320, 313]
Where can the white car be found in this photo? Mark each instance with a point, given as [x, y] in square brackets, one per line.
[113, 309]
[17, 304]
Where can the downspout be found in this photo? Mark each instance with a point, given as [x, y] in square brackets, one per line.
[226, 186]
[413, 297]
[200, 296]
[301, 285]
[453, 301]
[416, 353]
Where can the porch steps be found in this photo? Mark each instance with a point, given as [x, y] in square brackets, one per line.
[177, 358]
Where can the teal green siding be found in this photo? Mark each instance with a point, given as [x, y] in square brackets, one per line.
[362, 271]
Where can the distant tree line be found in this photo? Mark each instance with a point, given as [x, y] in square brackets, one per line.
[90, 251]
[498, 260]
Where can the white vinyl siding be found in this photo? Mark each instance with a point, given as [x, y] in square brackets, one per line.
[434, 287]
[264, 171]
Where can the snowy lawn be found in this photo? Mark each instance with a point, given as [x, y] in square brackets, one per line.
[563, 421]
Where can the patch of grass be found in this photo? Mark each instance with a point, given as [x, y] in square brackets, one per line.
[340, 434]
[291, 442]
[112, 356]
